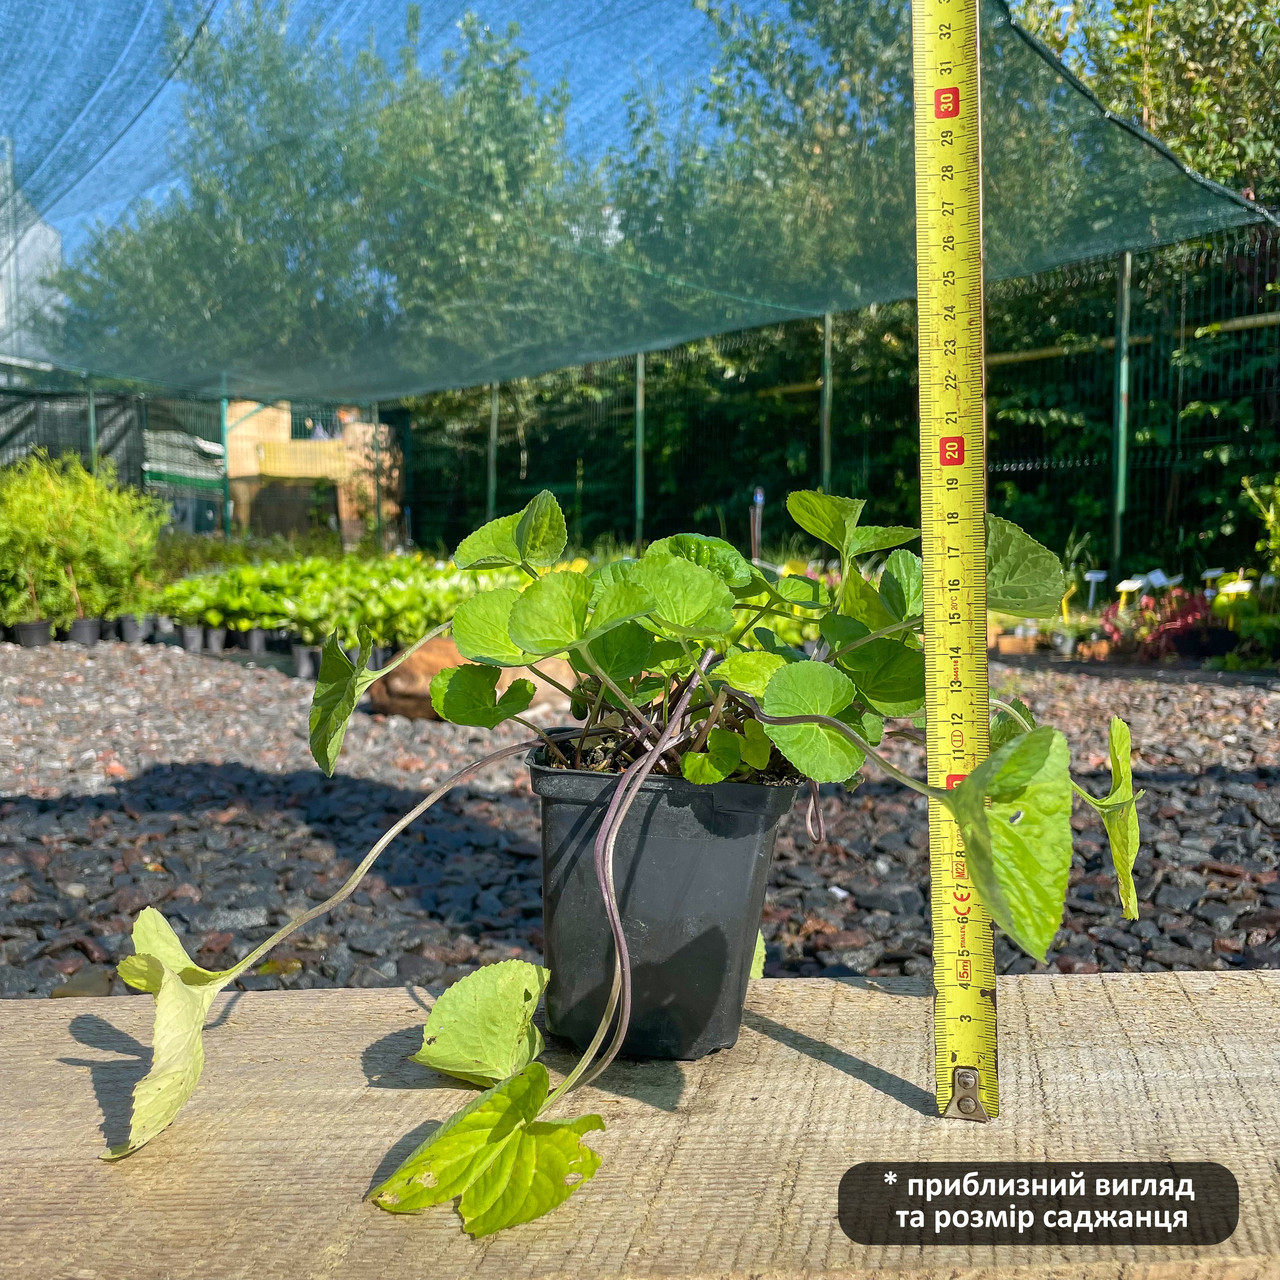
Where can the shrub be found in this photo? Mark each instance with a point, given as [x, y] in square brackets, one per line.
[73, 544]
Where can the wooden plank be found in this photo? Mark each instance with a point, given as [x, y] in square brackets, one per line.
[723, 1168]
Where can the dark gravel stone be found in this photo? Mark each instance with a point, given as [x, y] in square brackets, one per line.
[108, 780]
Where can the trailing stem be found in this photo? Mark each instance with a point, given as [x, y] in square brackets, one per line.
[628, 788]
[372, 856]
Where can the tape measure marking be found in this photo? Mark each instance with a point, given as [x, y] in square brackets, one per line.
[953, 511]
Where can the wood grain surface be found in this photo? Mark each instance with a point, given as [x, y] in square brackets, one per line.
[726, 1167]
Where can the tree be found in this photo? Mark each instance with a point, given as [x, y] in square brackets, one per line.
[1201, 75]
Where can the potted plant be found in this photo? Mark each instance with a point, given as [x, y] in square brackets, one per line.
[696, 727]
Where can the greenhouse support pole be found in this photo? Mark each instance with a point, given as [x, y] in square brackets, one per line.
[491, 488]
[93, 429]
[1120, 426]
[377, 474]
[226, 470]
[639, 449]
[825, 423]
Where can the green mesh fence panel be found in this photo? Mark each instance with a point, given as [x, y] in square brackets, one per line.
[725, 415]
[366, 200]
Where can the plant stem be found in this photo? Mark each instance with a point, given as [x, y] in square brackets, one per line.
[624, 795]
[934, 793]
[751, 622]
[704, 729]
[550, 743]
[905, 625]
[414, 647]
[639, 716]
[372, 856]
[551, 680]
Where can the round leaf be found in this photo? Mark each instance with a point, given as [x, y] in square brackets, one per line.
[819, 751]
[466, 695]
[480, 628]
[688, 599]
[551, 614]
[721, 557]
[749, 672]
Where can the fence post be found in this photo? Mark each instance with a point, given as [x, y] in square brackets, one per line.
[226, 469]
[1120, 420]
[377, 474]
[639, 425]
[93, 429]
[491, 487]
[825, 425]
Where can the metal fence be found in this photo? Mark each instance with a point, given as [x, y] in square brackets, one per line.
[713, 420]
[680, 439]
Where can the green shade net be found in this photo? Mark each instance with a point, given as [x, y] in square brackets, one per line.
[366, 200]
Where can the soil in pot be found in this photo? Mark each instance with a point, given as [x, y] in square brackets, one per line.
[192, 638]
[85, 631]
[691, 865]
[215, 639]
[33, 635]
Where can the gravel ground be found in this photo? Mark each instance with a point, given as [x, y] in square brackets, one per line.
[145, 775]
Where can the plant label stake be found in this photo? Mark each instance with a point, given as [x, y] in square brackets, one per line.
[948, 157]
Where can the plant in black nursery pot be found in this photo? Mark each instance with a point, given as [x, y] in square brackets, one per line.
[697, 726]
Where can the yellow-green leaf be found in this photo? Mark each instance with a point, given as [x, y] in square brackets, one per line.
[481, 1028]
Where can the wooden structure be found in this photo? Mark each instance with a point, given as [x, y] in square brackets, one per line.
[726, 1167]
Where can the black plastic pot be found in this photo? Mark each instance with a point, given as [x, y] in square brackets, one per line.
[1205, 642]
[192, 638]
[255, 640]
[306, 661]
[85, 631]
[135, 630]
[215, 639]
[691, 865]
[33, 635]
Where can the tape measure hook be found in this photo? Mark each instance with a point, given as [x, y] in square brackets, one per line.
[965, 1103]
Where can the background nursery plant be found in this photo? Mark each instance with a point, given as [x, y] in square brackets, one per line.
[679, 674]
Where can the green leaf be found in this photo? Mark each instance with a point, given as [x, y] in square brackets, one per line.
[720, 557]
[824, 515]
[688, 599]
[622, 652]
[717, 762]
[468, 695]
[771, 644]
[1023, 577]
[868, 538]
[481, 1028]
[155, 941]
[889, 676]
[1018, 850]
[480, 628]
[818, 751]
[839, 631]
[540, 534]
[618, 603]
[551, 614]
[507, 1166]
[758, 959]
[183, 993]
[749, 672]
[860, 600]
[1004, 727]
[177, 1059]
[339, 687]
[802, 591]
[605, 575]
[902, 585]
[757, 747]
[1119, 813]
[492, 546]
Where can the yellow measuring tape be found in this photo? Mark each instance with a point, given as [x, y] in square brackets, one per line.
[953, 477]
